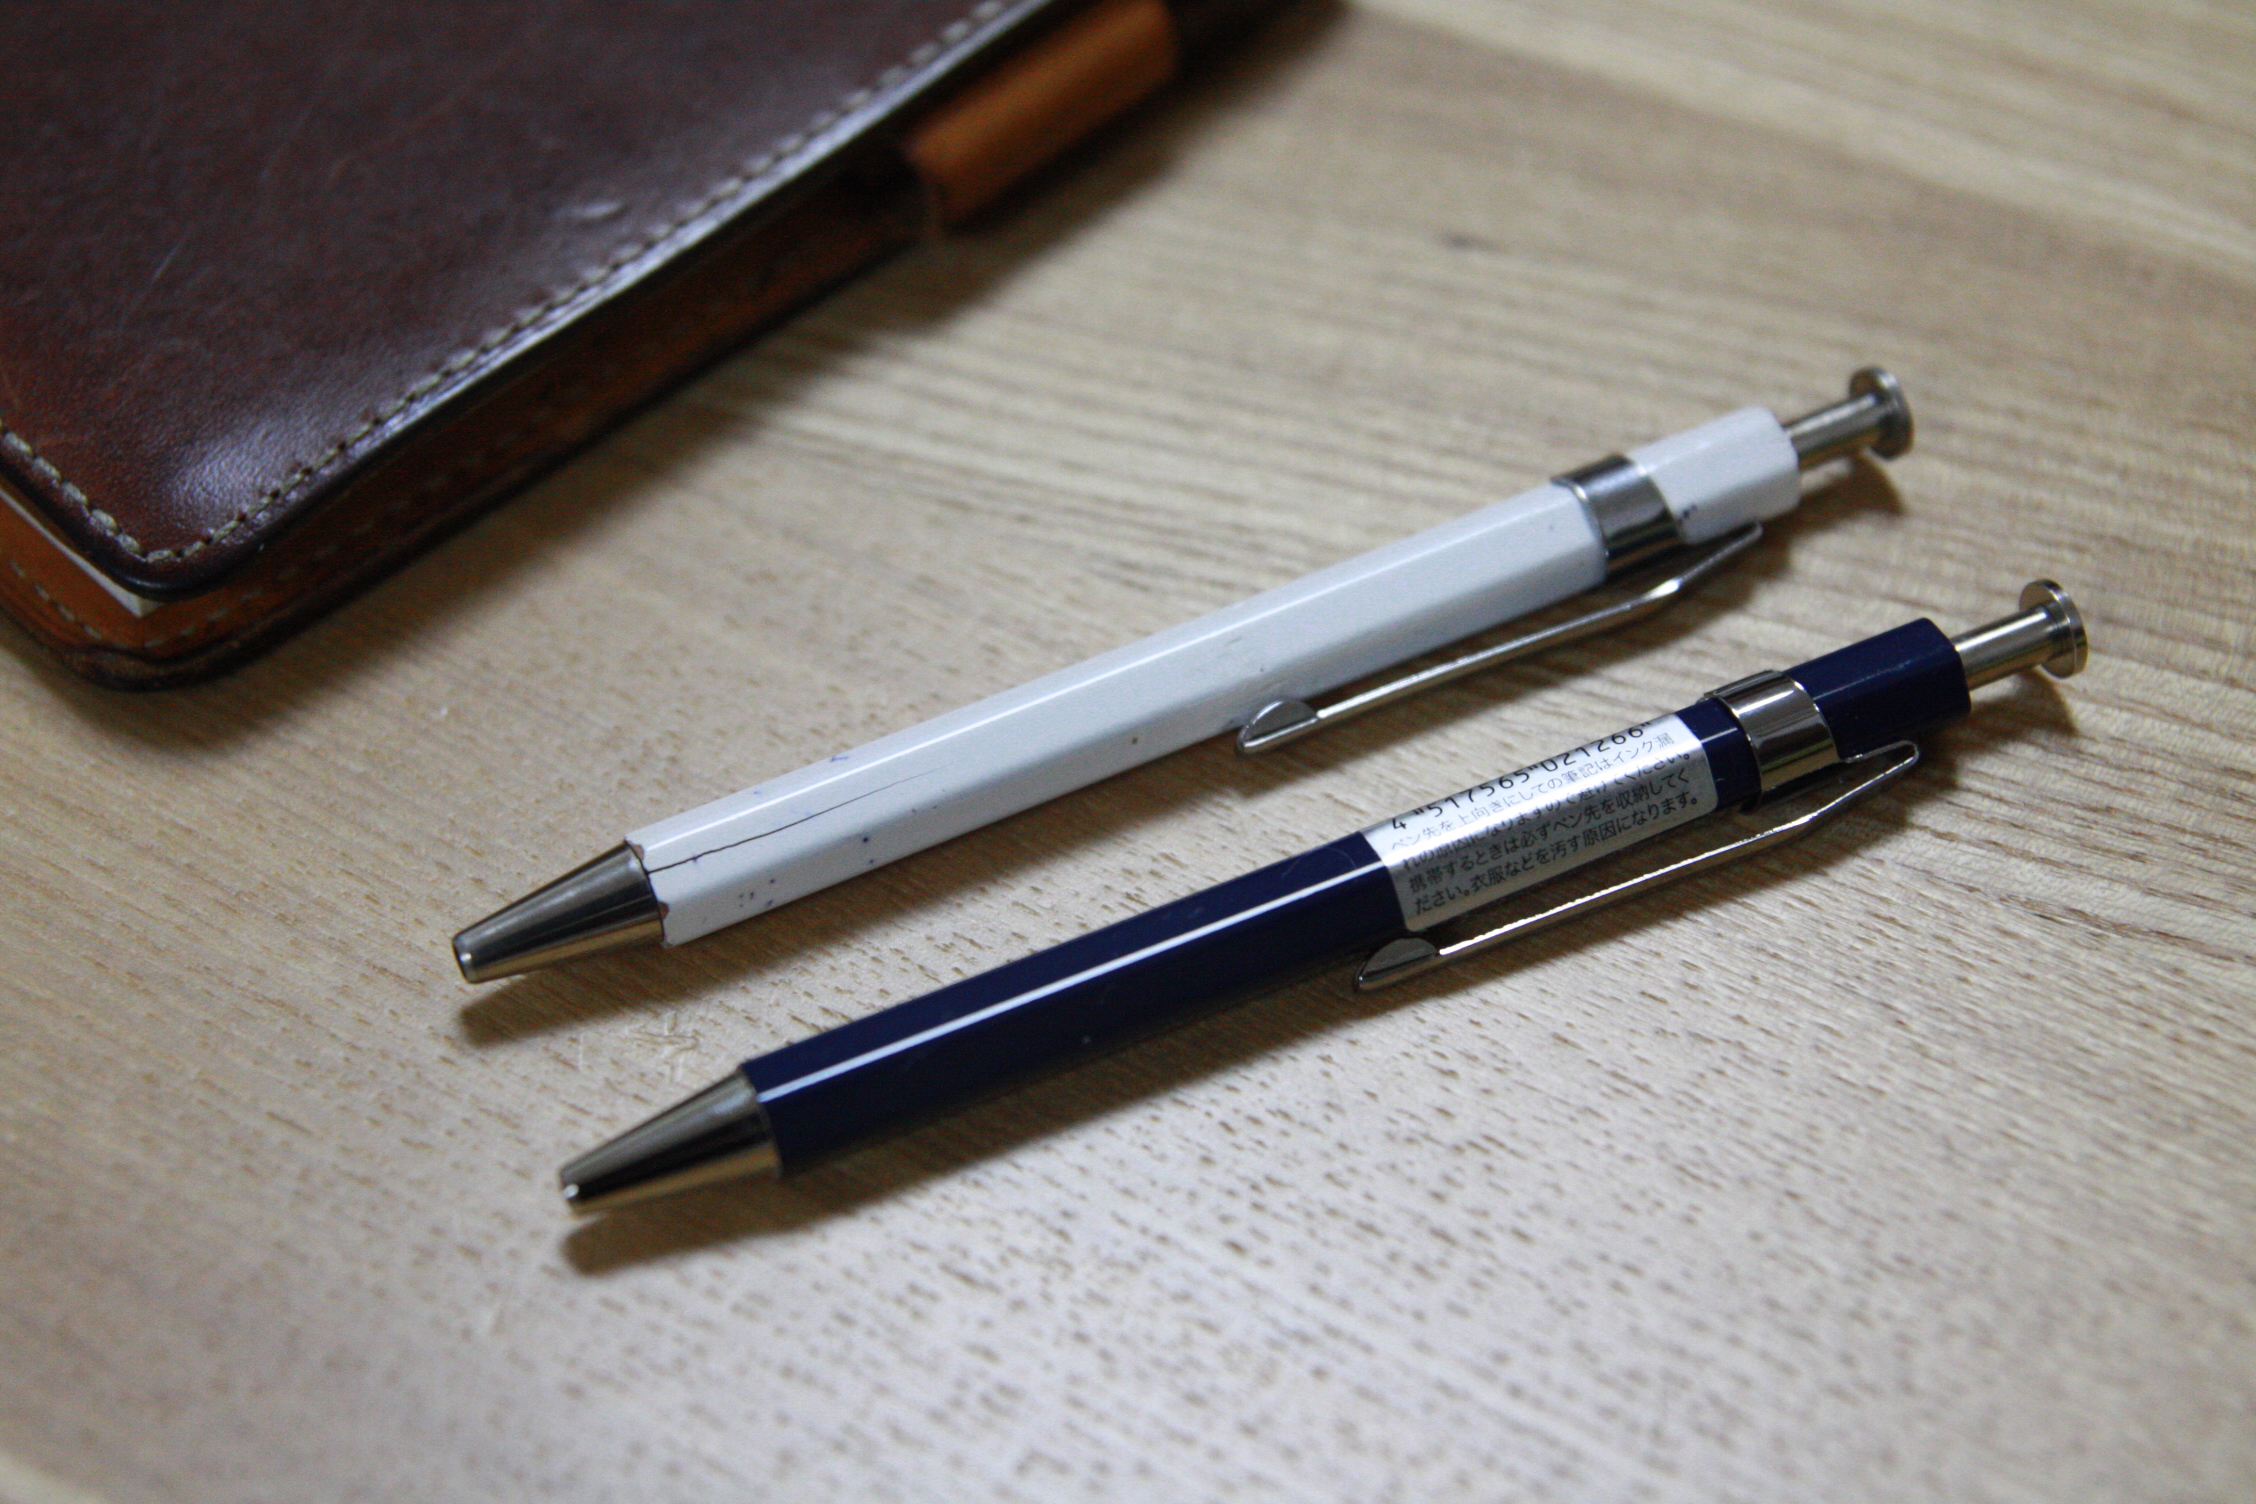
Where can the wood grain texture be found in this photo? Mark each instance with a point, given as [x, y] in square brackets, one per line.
[1909, 1163]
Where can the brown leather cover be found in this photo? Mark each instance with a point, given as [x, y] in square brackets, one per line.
[292, 286]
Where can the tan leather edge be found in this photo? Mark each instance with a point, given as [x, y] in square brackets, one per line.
[621, 358]
[43, 589]
[1032, 107]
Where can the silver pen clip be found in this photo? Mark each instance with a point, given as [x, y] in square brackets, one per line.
[1794, 811]
[1636, 524]
[1289, 720]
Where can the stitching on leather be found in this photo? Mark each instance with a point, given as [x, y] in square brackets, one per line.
[41, 464]
[563, 398]
[65, 612]
[549, 309]
[251, 600]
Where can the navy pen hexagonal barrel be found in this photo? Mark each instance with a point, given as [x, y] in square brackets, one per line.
[1087, 995]
[1894, 687]
[1106, 988]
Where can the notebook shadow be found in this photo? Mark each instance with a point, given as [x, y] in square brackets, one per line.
[1133, 1077]
[1007, 850]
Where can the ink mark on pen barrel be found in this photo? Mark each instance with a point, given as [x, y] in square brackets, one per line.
[828, 809]
[1509, 833]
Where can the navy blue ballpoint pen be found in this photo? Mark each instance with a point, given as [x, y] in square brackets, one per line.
[1786, 750]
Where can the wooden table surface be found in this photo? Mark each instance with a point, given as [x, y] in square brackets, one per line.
[1911, 1163]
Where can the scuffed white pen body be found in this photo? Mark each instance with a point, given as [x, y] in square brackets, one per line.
[794, 835]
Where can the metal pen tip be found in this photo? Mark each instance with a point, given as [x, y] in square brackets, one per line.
[719, 1134]
[605, 905]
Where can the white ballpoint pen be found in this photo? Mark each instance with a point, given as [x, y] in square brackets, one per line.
[1682, 505]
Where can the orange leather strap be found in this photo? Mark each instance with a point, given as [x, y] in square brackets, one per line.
[1040, 102]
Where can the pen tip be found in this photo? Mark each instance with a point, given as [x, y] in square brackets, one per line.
[718, 1134]
[605, 905]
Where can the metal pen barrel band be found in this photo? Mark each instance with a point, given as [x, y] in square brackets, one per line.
[1634, 518]
[1784, 727]
[1631, 515]
[1639, 531]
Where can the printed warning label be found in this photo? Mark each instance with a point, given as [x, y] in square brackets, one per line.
[1509, 833]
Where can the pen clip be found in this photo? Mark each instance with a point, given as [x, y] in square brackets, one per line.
[1285, 721]
[1793, 811]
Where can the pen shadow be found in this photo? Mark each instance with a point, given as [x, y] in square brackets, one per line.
[917, 290]
[870, 1176]
[1008, 849]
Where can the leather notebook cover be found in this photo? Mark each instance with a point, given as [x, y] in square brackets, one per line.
[290, 289]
